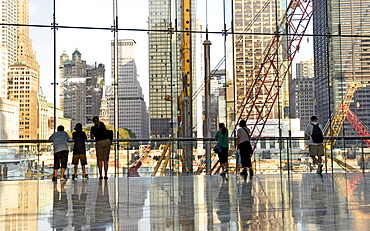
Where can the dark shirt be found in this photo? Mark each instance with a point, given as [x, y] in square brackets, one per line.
[79, 139]
[99, 133]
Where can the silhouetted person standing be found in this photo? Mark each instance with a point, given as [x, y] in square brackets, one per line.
[60, 139]
[222, 136]
[244, 145]
[100, 133]
[79, 151]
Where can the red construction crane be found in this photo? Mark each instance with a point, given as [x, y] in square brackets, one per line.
[356, 123]
[276, 63]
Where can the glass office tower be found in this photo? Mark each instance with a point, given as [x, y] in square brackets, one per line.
[341, 57]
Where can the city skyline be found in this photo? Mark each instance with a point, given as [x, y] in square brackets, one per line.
[83, 40]
[98, 39]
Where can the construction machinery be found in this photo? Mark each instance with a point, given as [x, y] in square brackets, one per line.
[184, 100]
[275, 64]
[334, 125]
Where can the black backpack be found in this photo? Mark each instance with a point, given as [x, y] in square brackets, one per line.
[317, 136]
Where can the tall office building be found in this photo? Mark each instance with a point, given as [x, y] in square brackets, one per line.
[81, 88]
[8, 34]
[73, 87]
[132, 111]
[25, 52]
[305, 69]
[250, 47]
[24, 87]
[23, 76]
[341, 58]
[302, 93]
[9, 110]
[162, 69]
[165, 76]
[95, 80]
[3, 72]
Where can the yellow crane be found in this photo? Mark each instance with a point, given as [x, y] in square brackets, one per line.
[334, 125]
[184, 101]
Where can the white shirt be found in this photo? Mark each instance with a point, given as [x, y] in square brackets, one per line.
[308, 132]
[60, 141]
[242, 134]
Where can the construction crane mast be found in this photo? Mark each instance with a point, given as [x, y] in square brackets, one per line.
[184, 101]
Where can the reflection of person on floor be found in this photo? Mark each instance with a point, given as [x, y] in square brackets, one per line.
[223, 202]
[318, 198]
[246, 206]
[103, 212]
[79, 205]
[59, 219]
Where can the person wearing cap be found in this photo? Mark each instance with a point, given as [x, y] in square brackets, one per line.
[79, 151]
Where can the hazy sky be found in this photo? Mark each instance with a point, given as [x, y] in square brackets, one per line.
[94, 45]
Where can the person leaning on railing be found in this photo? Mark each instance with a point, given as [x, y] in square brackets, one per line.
[60, 139]
[102, 146]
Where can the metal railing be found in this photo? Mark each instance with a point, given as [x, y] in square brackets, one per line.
[27, 159]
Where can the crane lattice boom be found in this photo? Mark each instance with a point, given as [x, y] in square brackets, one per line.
[276, 63]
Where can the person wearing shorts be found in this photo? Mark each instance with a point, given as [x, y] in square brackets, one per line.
[316, 150]
[79, 151]
[222, 136]
[100, 134]
[60, 139]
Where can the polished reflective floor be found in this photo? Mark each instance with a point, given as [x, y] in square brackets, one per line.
[265, 202]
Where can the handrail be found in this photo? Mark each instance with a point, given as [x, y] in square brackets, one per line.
[191, 139]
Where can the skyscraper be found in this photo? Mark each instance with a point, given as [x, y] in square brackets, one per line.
[302, 93]
[23, 75]
[162, 69]
[24, 87]
[81, 88]
[250, 47]
[8, 34]
[9, 110]
[132, 111]
[95, 80]
[341, 58]
[165, 77]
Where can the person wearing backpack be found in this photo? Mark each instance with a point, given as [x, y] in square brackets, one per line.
[315, 142]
